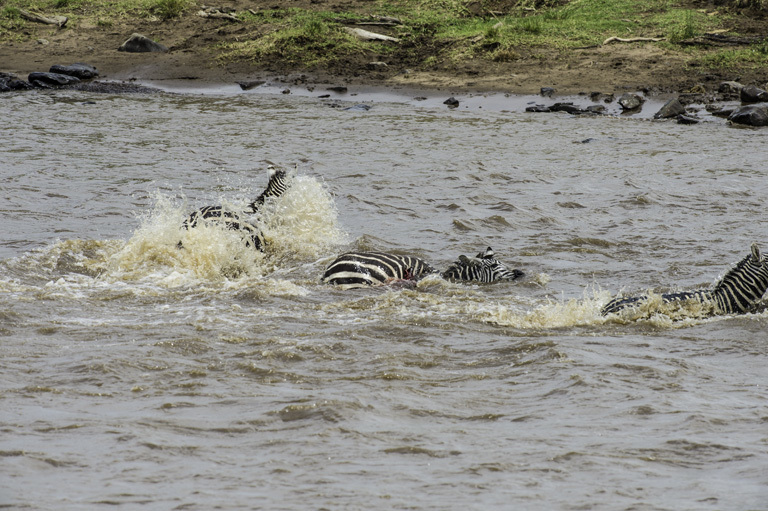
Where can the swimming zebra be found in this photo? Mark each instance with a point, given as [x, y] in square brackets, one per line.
[482, 268]
[736, 293]
[361, 269]
[277, 185]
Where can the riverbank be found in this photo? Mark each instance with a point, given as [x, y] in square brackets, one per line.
[207, 50]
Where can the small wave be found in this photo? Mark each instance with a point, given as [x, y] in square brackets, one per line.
[552, 314]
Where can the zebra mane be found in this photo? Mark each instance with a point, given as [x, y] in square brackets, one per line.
[754, 259]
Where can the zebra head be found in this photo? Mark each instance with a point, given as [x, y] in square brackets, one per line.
[745, 284]
[482, 268]
[277, 186]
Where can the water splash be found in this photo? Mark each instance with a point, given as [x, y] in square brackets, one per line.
[303, 223]
[296, 226]
[551, 314]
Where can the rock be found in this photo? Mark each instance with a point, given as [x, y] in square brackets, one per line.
[340, 89]
[538, 109]
[722, 112]
[595, 109]
[730, 87]
[752, 94]
[78, 70]
[687, 119]
[138, 43]
[600, 96]
[671, 108]
[51, 80]
[250, 85]
[751, 115]
[547, 92]
[451, 102]
[566, 107]
[630, 101]
[9, 82]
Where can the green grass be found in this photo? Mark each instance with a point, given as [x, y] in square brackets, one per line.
[165, 9]
[449, 29]
[104, 9]
[301, 39]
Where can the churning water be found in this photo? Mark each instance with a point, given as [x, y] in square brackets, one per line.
[137, 375]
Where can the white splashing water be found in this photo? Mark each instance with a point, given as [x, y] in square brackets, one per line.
[297, 226]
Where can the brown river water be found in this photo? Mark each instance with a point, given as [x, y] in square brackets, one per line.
[137, 375]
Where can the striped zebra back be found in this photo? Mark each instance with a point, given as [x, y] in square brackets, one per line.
[483, 268]
[277, 186]
[744, 285]
[361, 269]
[228, 219]
[736, 293]
[618, 304]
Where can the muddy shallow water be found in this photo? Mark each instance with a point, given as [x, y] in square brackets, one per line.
[140, 375]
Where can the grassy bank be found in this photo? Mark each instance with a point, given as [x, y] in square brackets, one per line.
[436, 32]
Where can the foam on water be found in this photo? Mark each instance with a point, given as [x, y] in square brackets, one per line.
[303, 223]
[296, 226]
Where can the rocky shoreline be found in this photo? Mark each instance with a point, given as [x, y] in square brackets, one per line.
[738, 104]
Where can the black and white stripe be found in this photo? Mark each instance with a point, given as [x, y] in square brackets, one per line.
[361, 269]
[484, 268]
[736, 293]
[277, 186]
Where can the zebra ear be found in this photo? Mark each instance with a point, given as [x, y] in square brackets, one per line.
[755, 253]
[488, 254]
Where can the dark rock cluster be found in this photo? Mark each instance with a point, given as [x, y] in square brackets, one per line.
[76, 76]
[752, 111]
[57, 76]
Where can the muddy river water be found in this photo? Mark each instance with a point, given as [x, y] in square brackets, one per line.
[137, 375]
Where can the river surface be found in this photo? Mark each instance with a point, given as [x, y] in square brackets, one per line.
[138, 375]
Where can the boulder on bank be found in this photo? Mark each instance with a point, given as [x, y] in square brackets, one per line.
[730, 87]
[751, 115]
[451, 102]
[630, 101]
[9, 82]
[78, 70]
[671, 108]
[752, 94]
[138, 43]
[547, 92]
[568, 108]
[51, 80]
